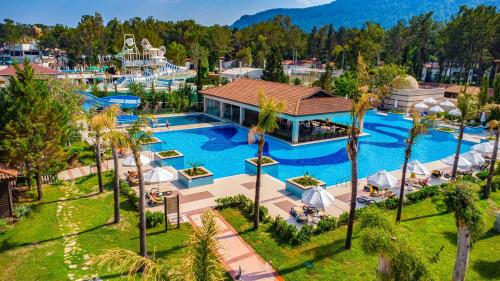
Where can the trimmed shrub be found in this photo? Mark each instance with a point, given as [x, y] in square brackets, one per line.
[154, 218]
[327, 224]
[304, 235]
[3, 226]
[343, 219]
[389, 204]
[282, 231]
[482, 175]
[129, 193]
[21, 211]
[244, 205]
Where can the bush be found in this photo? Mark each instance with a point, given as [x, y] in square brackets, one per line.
[3, 226]
[304, 235]
[129, 193]
[343, 219]
[482, 175]
[244, 205]
[389, 204]
[327, 224]
[21, 211]
[154, 218]
[282, 231]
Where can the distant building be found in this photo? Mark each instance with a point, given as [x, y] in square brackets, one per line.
[242, 72]
[6, 71]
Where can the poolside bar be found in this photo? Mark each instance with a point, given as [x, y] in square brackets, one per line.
[310, 114]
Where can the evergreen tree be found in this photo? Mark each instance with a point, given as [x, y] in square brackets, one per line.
[496, 89]
[483, 94]
[325, 81]
[274, 70]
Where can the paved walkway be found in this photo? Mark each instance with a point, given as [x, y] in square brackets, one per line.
[235, 253]
[79, 172]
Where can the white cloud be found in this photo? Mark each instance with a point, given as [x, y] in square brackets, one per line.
[312, 2]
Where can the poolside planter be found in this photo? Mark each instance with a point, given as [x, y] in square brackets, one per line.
[194, 181]
[297, 189]
[153, 141]
[176, 161]
[268, 168]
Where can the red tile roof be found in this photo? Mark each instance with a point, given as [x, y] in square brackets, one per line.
[298, 100]
[41, 70]
[8, 174]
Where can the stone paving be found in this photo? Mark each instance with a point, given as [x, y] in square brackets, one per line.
[76, 259]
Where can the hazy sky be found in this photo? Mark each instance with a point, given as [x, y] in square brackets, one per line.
[206, 12]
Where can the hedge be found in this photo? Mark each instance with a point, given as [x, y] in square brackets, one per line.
[129, 193]
[243, 204]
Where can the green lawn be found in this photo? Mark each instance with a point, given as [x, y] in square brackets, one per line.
[425, 224]
[33, 248]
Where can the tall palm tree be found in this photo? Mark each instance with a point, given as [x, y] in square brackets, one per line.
[494, 110]
[117, 139]
[417, 129]
[358, 111]
[468, 105]
[267, 123]
[98, 123]
[459, 199]
[136, 135]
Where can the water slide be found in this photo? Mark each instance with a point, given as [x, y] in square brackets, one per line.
[123, 101]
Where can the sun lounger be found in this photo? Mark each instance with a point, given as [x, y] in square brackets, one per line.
[365, 200]
[436, 173]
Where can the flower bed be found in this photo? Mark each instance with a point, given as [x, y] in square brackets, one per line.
[194, 177]
[269, 166]
[298, 185]
[170, 158]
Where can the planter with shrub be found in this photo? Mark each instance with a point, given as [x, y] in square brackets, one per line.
[170, 158]
[195, 176]
[298, 185]
[269, 166]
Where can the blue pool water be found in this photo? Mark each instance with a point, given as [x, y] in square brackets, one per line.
[223, 150]
[183, 120]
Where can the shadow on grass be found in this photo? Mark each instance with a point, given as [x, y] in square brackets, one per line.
[487, 269]
[166, 252]
[66, 199]
[113, 276]
[7, 246]
[424, 217]
[451, 236]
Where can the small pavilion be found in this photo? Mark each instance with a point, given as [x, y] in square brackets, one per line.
[309, 114]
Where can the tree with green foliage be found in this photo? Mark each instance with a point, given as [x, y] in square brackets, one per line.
[35, 125]
[267, 122]
[468, 105]
[325, 81]
[494, 113]
[245, 56]
[176, 53]
[417, 129]
[346, 85]
[483, 93]
[199, 55]
[460, 200]
[496, 89]
[273, 71]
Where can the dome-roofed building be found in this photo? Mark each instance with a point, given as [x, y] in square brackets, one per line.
[407, 93]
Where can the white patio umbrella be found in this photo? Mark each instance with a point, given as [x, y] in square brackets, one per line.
[383, 179]
[436, 109]
[463, 164]
[416, 167]
[447, 105]
[396, 103]
[474, 158]
[421, 107]
[130, 161]
[430, 101]
[484, 147]
[317, 197]
[158, 175]
[455, 112]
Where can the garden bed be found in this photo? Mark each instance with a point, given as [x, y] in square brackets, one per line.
[298, 185]
[170, 158]
[269, 166]
[194, 177]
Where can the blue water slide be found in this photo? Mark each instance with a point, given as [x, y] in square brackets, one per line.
[123, 101]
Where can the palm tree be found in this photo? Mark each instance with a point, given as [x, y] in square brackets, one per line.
[267, 122]
[359, 108]
[494, 110]
[459, 199]
[417, 129]
[468, 105]
[200, 264]
[117, 139]
[136, 136]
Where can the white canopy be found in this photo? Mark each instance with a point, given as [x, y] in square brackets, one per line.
[130, 161]
[474, 158]
[383, 179]
[421, 106]
[463, 164]
[430, 101]
[455, 112]
[417, 168]
[158, 175]
[448, 104]
[485, 147]
[436, 109]
[396, 103]
[317, 197]
[483, 117]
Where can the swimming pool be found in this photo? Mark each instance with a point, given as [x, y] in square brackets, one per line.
[183, 120]
[223, 150]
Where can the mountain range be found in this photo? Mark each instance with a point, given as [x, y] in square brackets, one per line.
[355, 13]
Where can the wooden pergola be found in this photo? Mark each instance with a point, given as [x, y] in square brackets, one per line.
[7, 178]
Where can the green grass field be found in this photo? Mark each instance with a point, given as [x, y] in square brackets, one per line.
[33, 248]
[425, 224]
